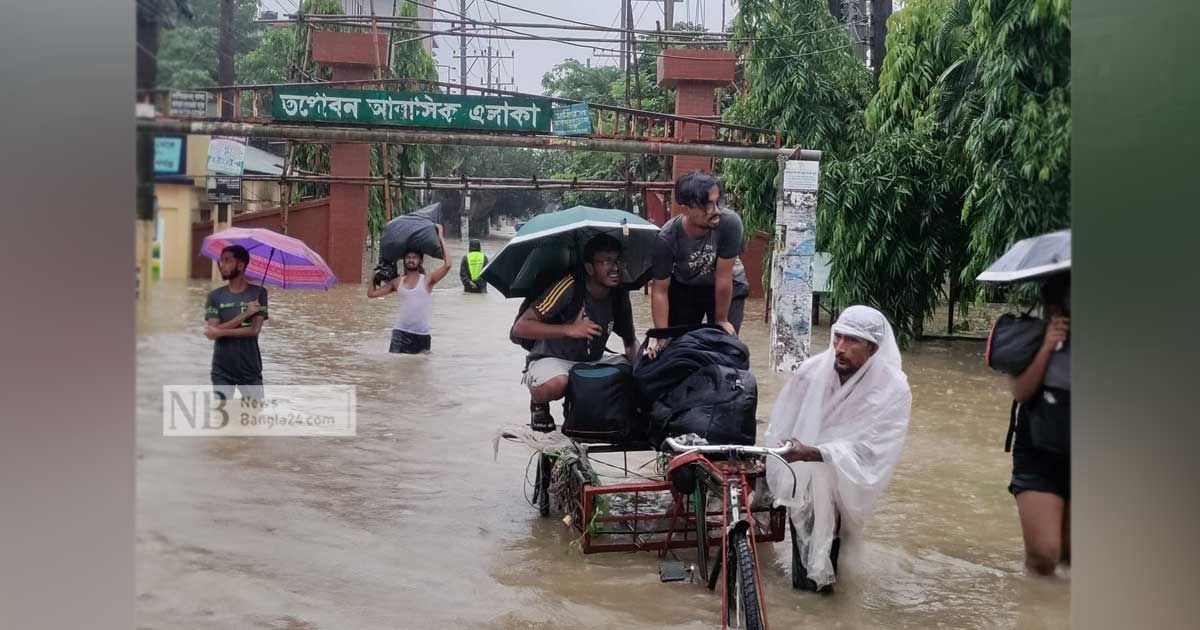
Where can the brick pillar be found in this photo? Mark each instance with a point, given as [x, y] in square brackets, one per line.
[695, 75]
[351, 57]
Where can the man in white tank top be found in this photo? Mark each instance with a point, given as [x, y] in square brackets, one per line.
[414, 292]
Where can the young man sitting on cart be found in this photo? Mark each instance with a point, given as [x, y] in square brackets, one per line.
[844, 415]
[570, 323]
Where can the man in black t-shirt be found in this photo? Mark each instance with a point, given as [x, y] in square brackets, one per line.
[571, 322]
[233, 316]
[696, 269]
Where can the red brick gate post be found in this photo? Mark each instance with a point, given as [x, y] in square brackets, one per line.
[352, 58]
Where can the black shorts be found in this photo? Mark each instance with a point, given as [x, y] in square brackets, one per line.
[1038, 470]
[223, 386]
[691, 305]
[408, 343]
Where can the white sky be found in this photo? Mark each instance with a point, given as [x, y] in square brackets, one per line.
[533, 59]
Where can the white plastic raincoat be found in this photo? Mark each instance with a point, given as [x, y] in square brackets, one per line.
[859, 427]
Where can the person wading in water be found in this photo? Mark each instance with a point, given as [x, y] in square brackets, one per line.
[414, 290]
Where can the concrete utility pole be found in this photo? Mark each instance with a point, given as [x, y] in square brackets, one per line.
[856, 21]
[462, 48]
[225, 70]
[881, 10]
[669, 15]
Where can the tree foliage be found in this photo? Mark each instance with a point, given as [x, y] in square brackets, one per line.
[800, 78]
[187, 54]
[965, 150]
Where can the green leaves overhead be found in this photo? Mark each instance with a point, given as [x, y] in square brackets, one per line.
[963, 149]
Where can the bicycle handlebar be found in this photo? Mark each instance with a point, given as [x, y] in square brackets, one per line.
[734, 449]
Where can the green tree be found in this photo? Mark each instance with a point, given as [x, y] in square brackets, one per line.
[187, 54]
[965, 150]
[1019, 146]
[891, 213]
[269, 62]
[800, 78]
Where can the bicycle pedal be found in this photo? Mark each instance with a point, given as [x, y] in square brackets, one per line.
[672, 571]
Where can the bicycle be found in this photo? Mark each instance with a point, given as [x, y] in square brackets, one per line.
[742, 595]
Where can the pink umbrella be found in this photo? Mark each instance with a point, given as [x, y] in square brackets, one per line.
[275, 259]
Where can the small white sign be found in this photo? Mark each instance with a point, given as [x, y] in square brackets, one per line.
[270, 411]
[226, 155]
[801, 175]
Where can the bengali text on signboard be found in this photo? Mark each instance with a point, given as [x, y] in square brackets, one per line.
[572, 120]
[447, 111]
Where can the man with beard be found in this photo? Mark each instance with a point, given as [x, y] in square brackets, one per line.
[697, 269]
[844, 416]
[570, 323]
[234, 315]
[414, 290]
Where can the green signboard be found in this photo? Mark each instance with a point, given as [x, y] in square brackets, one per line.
[412, 109]
[572, 120]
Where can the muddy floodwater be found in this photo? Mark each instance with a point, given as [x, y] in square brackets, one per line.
[414, 524]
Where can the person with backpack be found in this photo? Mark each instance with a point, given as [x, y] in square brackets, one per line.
[570, 323]
[697, 269]
[472, 265]
[1040, 438]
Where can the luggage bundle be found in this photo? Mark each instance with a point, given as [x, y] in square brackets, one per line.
[699, 383]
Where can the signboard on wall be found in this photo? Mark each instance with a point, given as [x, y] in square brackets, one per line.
[411, 109]
[170, 155]
[189, 104]
[571, 120]
[224, 189]
[226, 155]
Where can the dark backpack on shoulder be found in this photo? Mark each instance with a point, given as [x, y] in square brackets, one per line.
[1012, 344]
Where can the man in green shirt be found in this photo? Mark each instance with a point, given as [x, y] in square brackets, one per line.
[233, 316]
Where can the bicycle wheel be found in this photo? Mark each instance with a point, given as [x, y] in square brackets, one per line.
[699, 510]
[541, 491]
[743, 608]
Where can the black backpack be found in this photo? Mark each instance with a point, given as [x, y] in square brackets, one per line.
[602, 404]
[717, 402]
[1012, 344]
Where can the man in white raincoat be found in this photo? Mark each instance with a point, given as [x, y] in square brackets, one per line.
[844, 415]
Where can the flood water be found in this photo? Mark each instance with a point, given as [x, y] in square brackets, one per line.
[412, 523]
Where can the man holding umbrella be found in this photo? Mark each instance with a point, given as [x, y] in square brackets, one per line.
[234, 315]
[571, 322]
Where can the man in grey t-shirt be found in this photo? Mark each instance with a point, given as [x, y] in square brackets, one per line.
[697, 271]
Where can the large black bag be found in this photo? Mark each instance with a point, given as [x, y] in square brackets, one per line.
[717, 402]
[1013, 342]
[691, 349]
[601, 404]
[415, 232]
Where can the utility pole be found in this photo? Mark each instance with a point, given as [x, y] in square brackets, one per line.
[489, 65]
[669, 14]
[225, 70]
[856, 23]
[462, 48]
[147, 24]
[225, 77]
[881, 10]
